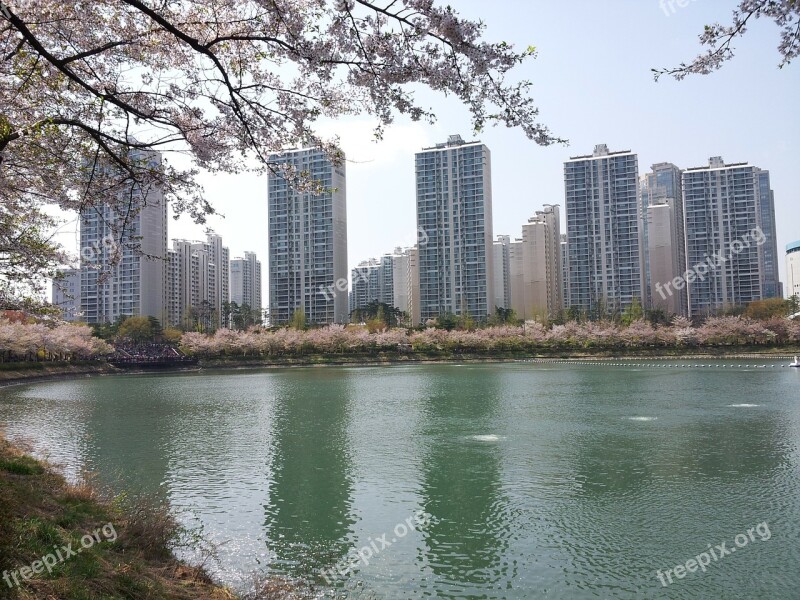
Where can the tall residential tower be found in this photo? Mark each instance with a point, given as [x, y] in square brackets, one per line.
[730, 228]
[245, 281]
[454, 210]
[603, 235]
[123, 255]
[308, 240]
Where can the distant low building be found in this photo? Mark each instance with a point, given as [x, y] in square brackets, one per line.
[793, 269]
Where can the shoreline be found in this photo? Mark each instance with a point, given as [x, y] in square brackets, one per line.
[37, 500]
[53, 372]
[61, 372]
[130, 556]
[393, 359]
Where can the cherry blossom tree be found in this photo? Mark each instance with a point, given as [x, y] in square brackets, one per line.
[719, 39]
[63, 341]
[89, 89]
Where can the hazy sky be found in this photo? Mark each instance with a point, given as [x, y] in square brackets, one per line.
[593, 83]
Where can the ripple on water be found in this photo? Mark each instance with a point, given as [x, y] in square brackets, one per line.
[642, 418]
[743, 405]
[488, 438]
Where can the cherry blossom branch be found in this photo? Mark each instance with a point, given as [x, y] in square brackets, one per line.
[719, 38]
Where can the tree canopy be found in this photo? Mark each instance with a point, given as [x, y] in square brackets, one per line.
[90, 88]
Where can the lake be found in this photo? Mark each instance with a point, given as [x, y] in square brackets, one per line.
[507, 480]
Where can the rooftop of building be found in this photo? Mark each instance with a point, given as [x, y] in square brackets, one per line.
[452, 142]
[716, 162]
[793, 247]
[600, 151]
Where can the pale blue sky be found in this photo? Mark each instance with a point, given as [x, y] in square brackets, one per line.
[593, 83]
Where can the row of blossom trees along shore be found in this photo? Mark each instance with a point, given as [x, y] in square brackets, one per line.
[26, 337]
[531, 337]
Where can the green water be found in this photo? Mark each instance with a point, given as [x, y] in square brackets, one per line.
[554, 480]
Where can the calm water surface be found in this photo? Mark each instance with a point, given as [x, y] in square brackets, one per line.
[554, 480]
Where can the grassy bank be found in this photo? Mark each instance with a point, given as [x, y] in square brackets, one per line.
[126, 556]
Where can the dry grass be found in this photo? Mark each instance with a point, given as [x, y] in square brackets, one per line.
[40, 510]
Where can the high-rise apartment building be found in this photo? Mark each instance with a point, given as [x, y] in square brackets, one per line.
[308, 240]
[541, 265]
[67, 294]
[369, 281]
[363, 284]
[603, 233]
[661, 200]
[454, 209]
[197, 283]
[793, 269]
[773, 288]
[565, 271]
[502, 274]
[730, 225]
[245, 281]
[516, 277]
[123, 255]
[220, 257]
[405, 281]
[663, 263]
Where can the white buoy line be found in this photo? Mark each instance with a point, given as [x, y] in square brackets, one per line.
[653, 363]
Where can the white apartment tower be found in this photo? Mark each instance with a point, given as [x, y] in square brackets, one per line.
[502, 274]
[219, 256]
[197, 283]
[123, 255]
[245, 281]
[606, 256]
[565, 271]
[367, 279]
[454, 210]
[405, 280]
[516, 277]
[308, 240]
[729, 213]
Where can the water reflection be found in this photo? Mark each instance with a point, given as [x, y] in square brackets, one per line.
[468, 540]
[309, 514]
